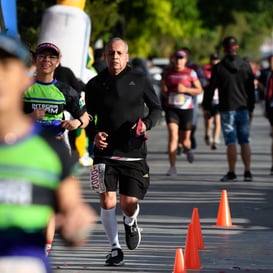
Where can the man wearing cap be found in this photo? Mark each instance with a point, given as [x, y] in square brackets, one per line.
[35, 175]
[47, 99]
[235, 82]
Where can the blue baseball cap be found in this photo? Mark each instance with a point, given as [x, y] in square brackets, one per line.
[16, 48]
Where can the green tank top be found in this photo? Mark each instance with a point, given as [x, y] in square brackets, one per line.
[30, 171]
[46, 96]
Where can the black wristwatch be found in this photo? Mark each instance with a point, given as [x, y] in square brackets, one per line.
[79, 119]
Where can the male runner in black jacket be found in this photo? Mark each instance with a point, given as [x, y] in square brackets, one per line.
[116, 97]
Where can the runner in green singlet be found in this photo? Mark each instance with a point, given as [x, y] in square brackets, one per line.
[35, 175]
[45, 101]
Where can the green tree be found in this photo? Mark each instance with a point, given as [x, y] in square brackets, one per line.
[105, 18]
[154, 27]
[29, 15]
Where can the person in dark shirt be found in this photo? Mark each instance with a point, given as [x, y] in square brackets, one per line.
[213, 123]
[116, 96]
[99, 63]
[266, 81]
[65, 74]
[235, 82]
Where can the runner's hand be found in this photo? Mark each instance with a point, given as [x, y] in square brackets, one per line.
[100, 140]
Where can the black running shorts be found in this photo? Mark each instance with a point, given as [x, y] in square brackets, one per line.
[132, 178]
[180, 116]
[270, 115]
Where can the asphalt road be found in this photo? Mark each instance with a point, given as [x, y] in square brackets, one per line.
[246, 246]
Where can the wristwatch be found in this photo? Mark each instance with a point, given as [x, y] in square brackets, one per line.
[79, 119]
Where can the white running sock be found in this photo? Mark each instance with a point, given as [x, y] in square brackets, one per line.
[129, 220]
[109, 222]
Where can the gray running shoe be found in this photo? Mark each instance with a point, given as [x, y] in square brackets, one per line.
[190, 156]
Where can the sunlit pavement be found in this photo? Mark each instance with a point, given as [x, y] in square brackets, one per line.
[166, 212]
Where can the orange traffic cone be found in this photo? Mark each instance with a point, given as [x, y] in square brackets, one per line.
[179, 266]
[192, 260]
[195, 221]
[223, 217]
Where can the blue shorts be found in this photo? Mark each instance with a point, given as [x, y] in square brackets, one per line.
[235, 126]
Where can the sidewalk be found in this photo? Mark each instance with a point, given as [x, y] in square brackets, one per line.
[167, 210]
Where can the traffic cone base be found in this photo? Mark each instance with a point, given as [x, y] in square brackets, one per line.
[224, 217]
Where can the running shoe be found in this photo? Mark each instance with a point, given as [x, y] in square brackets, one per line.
[190, 156]
[207, 140]
[179, 150]
[214, 146]
[229, 177]
[172, 171]
[247, 176]
[132, 235]
[115, 258]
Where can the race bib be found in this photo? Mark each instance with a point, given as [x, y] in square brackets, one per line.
[180, 101]
[19, 264]
[176, 99]
[97, 172]
[15, 192]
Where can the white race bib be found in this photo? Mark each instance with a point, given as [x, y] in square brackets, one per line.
[181, 101]
[19, 264]
[97, 172]
[176, 99]
[15, 192]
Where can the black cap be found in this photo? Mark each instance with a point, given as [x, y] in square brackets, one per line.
[15, 48]
[180, 53]
[230, 43]
[214, 56]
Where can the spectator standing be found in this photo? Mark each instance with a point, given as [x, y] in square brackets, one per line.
[117, 96]
[47, 99]
[179, 84]
[235, 82]
[213, 122]
[35, 174]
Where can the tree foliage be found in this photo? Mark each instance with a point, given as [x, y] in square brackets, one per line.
[156, 28]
